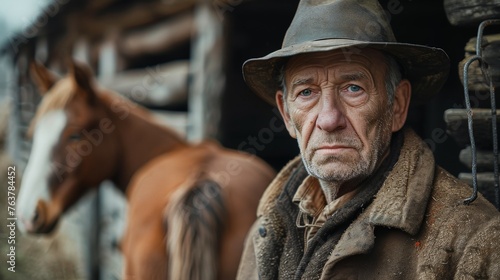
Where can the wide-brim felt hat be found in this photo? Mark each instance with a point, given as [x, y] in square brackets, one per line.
[351, 26]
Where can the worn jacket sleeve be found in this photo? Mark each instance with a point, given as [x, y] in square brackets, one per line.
[248, 264]
[481, 257]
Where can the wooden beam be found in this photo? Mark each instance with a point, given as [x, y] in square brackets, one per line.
[157, 38]
[136, 15]
[159, 85]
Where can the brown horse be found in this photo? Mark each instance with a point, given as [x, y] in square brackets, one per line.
[190, 206]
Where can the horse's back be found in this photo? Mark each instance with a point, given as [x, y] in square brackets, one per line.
[234, 171]
[234, 182]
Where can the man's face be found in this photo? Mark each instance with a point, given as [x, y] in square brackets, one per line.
[337, 108]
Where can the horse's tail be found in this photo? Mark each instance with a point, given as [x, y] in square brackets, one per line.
[194, 221]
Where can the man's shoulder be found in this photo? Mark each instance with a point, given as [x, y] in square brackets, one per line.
[453, 190]
[469, 233]
[447, 202]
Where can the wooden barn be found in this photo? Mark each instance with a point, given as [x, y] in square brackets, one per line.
[182, 59]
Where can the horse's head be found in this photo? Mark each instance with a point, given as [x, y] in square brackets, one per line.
[74, 147]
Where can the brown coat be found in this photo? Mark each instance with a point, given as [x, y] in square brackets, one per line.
[417, 227]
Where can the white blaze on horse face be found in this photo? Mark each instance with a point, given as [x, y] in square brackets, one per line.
[34, 186]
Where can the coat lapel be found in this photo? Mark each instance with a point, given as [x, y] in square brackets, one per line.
[401, 202]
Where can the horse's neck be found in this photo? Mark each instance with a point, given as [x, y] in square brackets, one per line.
[141, 139]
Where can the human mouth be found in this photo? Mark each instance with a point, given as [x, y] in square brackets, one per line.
[334, 149]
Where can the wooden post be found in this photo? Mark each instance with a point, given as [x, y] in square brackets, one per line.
[207, 60]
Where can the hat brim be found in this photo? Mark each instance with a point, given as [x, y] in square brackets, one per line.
[425, 67]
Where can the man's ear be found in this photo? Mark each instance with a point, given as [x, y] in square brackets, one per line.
[284, 113]
[401, 104]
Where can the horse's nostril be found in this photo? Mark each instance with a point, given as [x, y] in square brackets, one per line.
[36, 216]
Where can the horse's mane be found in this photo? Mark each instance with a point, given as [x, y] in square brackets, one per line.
[55, 98]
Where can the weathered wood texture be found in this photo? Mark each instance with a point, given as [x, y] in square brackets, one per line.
[457, 127]
[160, 37]
[208, 77]
[484, 159]
[159, 85]
[471, 12]
[479, 76]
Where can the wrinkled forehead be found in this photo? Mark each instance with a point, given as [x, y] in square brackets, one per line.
[354, 59]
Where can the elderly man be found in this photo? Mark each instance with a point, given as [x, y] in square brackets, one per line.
[364, 200]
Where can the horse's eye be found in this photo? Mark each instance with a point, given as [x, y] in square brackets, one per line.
[75, 137]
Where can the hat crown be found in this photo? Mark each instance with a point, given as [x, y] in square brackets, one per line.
[362, 20]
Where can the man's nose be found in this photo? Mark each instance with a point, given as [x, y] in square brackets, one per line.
[331, 116]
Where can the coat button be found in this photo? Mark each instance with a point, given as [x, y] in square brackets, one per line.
[262, 231]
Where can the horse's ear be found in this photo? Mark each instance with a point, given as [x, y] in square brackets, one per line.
[43, 77]
[82, 75]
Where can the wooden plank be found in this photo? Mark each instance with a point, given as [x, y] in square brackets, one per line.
[470, 46]
[133, 16]
[457, 127]
[157, 38]
[484, 159]
[160, 85]
[490, 50]
[485, 184]
[208, 75]
[471, 12]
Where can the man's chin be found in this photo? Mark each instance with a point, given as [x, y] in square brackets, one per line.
[335, 171]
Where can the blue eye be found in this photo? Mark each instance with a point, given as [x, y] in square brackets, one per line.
[354, 88]
[305, 92]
